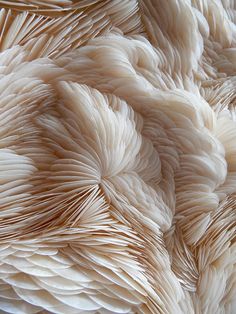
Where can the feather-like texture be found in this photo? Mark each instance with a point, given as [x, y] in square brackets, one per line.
[117, 156]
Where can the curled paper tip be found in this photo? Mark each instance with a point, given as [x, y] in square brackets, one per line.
[117, 156]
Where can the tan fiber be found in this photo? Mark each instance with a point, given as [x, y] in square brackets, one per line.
[118, 157]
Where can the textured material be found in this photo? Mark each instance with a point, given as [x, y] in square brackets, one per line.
[118, 156]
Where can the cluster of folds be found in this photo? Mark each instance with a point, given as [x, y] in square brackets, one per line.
[118, 156]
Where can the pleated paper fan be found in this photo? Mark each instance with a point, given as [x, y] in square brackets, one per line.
[117, 157]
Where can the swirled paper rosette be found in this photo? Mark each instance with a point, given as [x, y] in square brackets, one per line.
[117, 156]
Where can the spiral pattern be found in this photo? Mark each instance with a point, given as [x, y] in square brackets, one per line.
[117, 156]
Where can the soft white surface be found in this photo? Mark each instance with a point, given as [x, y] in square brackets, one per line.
[118, 157]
